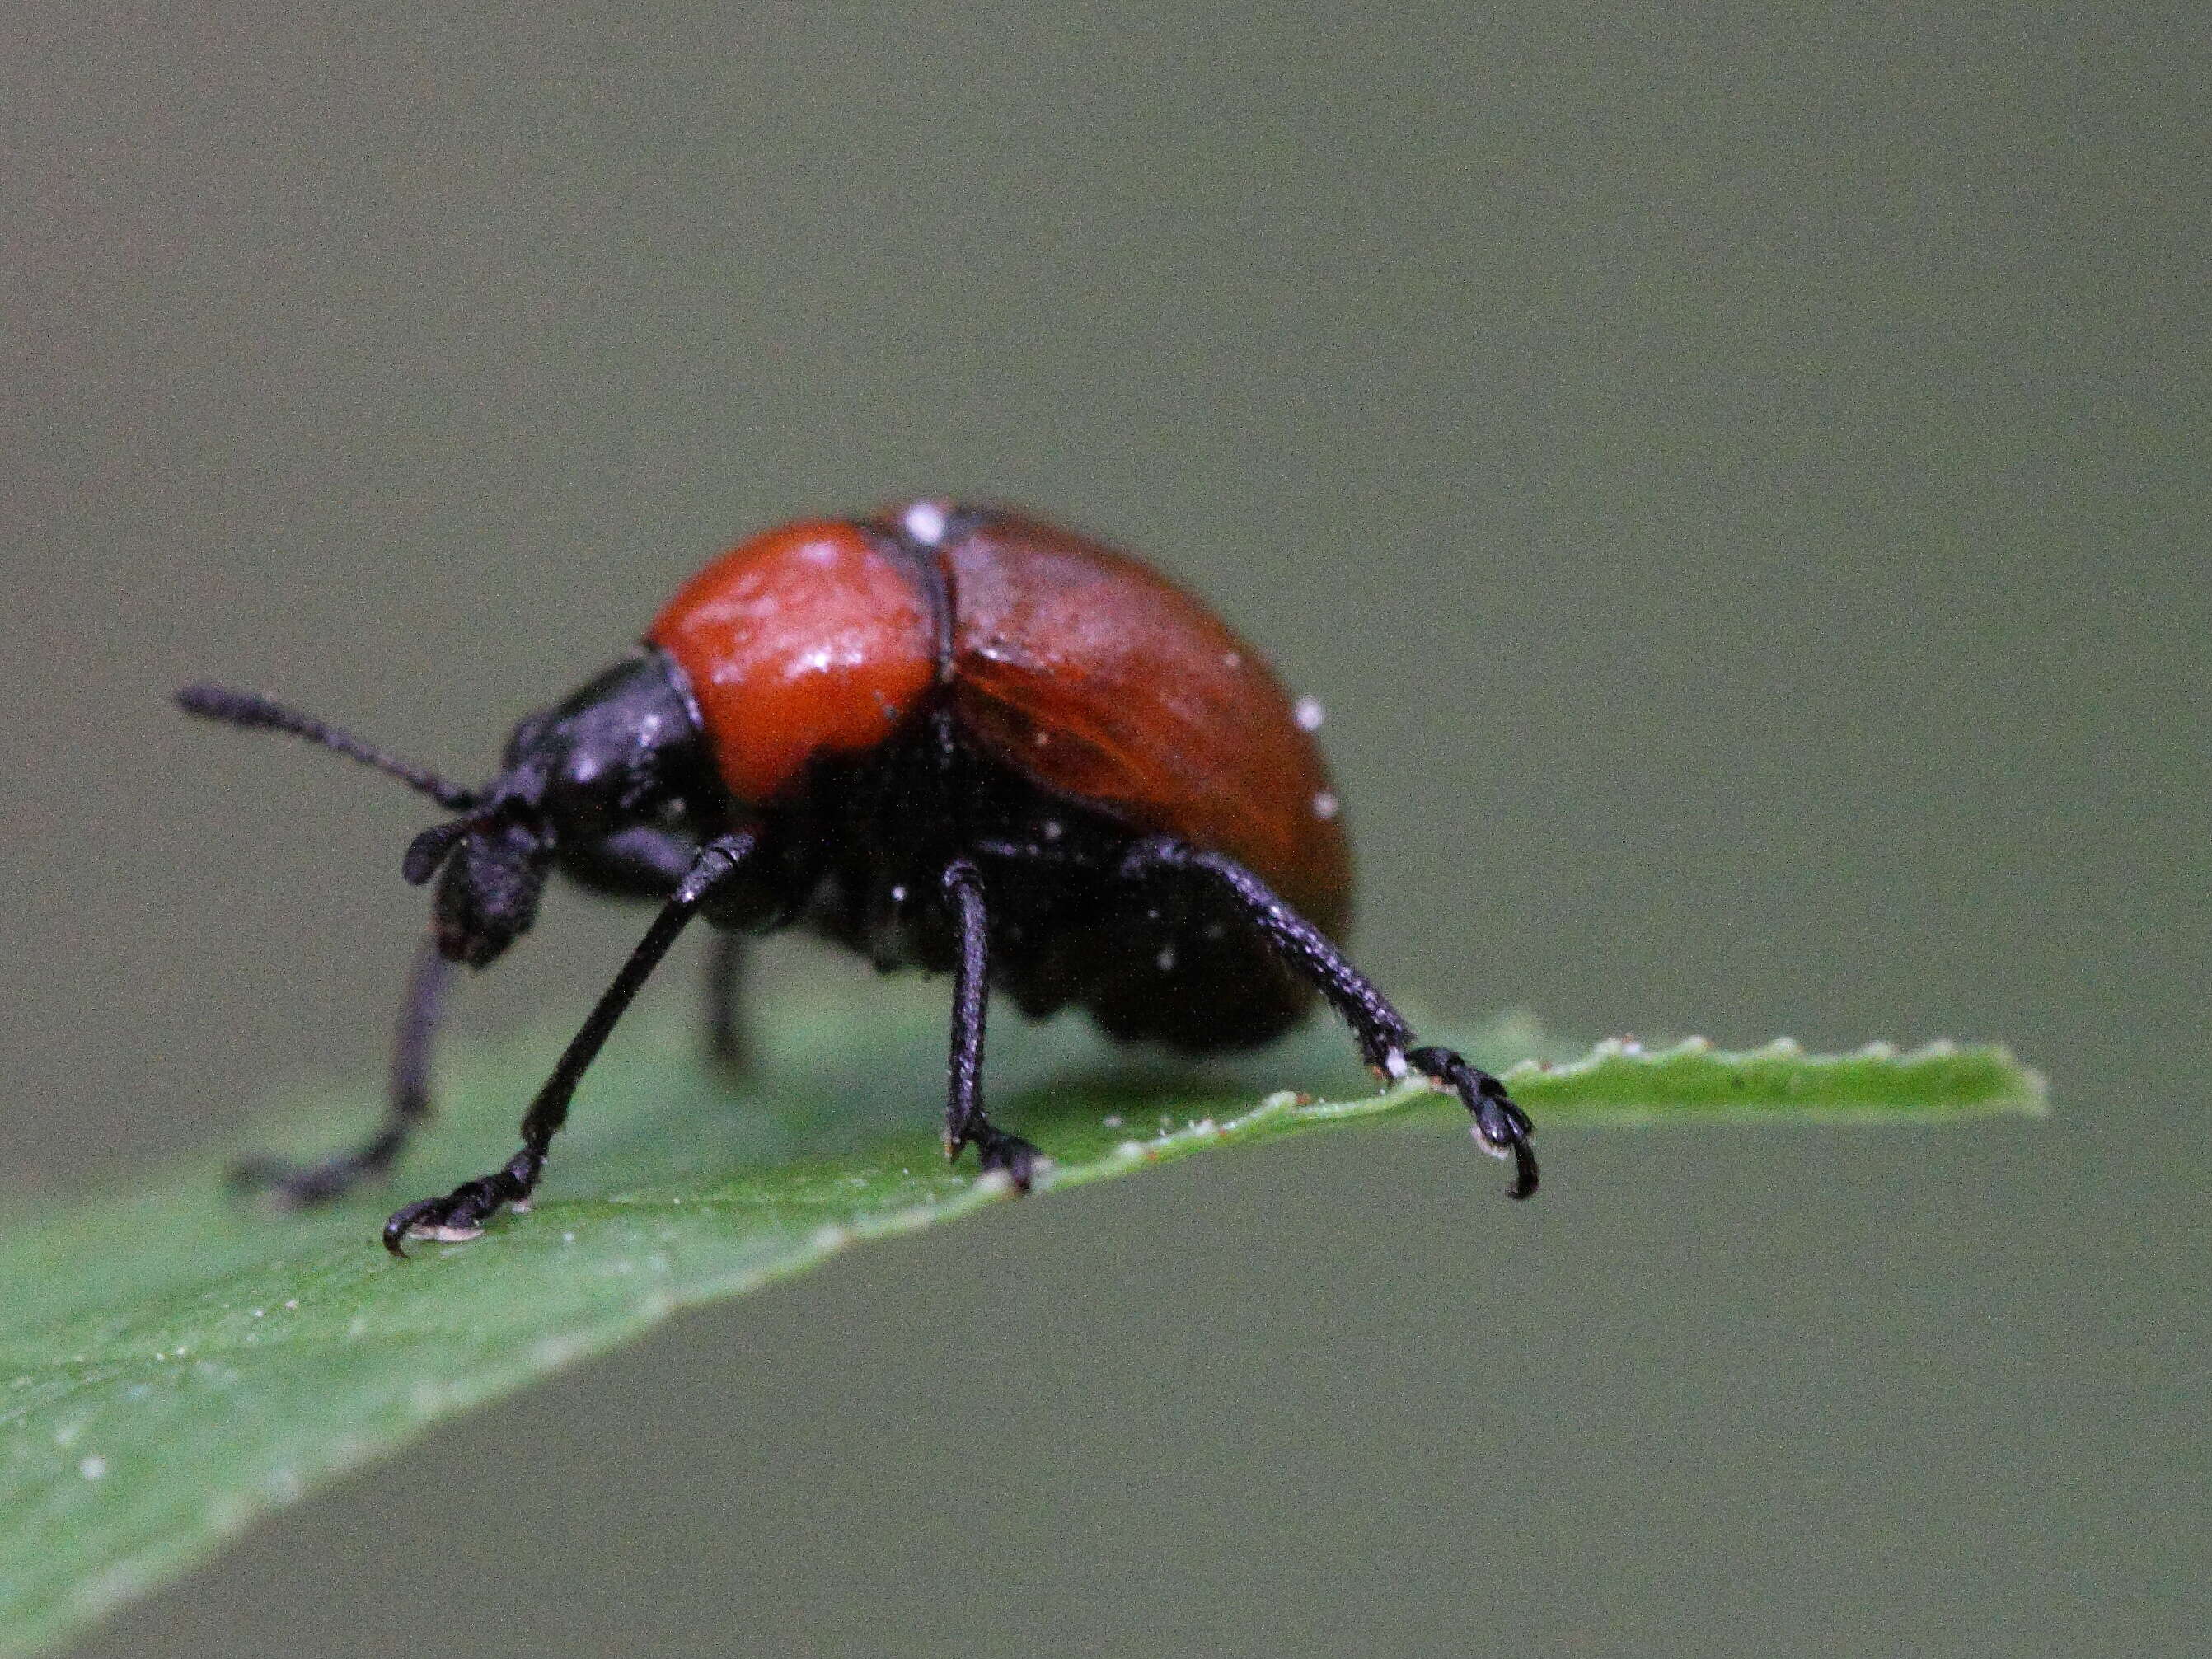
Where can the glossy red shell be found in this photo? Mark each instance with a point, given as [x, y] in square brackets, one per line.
[1096, 675]
[1076, 666]
[808, 639]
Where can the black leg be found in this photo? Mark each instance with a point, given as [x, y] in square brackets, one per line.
[1386, 1041]
[298, 1186]
[729, 1042]
[462, 1213]
[964, 1120]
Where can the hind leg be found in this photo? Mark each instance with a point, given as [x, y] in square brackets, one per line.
[1386, 1041]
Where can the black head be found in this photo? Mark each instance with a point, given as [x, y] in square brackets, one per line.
[494, 863]
[622, 752]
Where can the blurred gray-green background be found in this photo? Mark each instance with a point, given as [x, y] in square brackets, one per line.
[1737, 479]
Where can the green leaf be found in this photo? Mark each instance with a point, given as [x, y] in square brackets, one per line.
[172, 1365]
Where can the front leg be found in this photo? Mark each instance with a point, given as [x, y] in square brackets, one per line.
[964, 1120]
[461, 1213]
[291, 1185]
[1386, 1041]
[648, 862]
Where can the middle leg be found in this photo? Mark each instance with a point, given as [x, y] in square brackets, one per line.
[964, 1120]
[729, 1038]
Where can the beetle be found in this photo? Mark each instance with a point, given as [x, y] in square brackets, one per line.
[951, 738]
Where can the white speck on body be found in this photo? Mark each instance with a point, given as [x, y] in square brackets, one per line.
[1309, 713]
[899, 893]
[1324, 804]
[1052, 828]
[1165, 961]
[925, 522]
[1393, 1064]
[93, 1468]
[1231, 660]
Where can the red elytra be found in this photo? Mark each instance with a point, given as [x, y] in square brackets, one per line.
[809, 638]
[1080, 667]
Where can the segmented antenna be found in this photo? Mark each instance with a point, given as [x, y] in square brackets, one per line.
[245, 708]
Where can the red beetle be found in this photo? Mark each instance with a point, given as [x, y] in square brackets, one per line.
[951, 737]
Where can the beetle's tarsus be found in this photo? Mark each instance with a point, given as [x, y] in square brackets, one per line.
[1018, 1160]
[1500, 1127]
[285, 1186]
[460, 1215]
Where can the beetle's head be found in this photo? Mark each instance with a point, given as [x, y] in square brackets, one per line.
[491, 868]
[622, 750]
[614, 754]
[494, 855]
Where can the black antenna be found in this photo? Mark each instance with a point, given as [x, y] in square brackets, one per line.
[244, 708]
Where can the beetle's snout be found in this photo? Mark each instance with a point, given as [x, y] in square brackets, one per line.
[494, 869]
